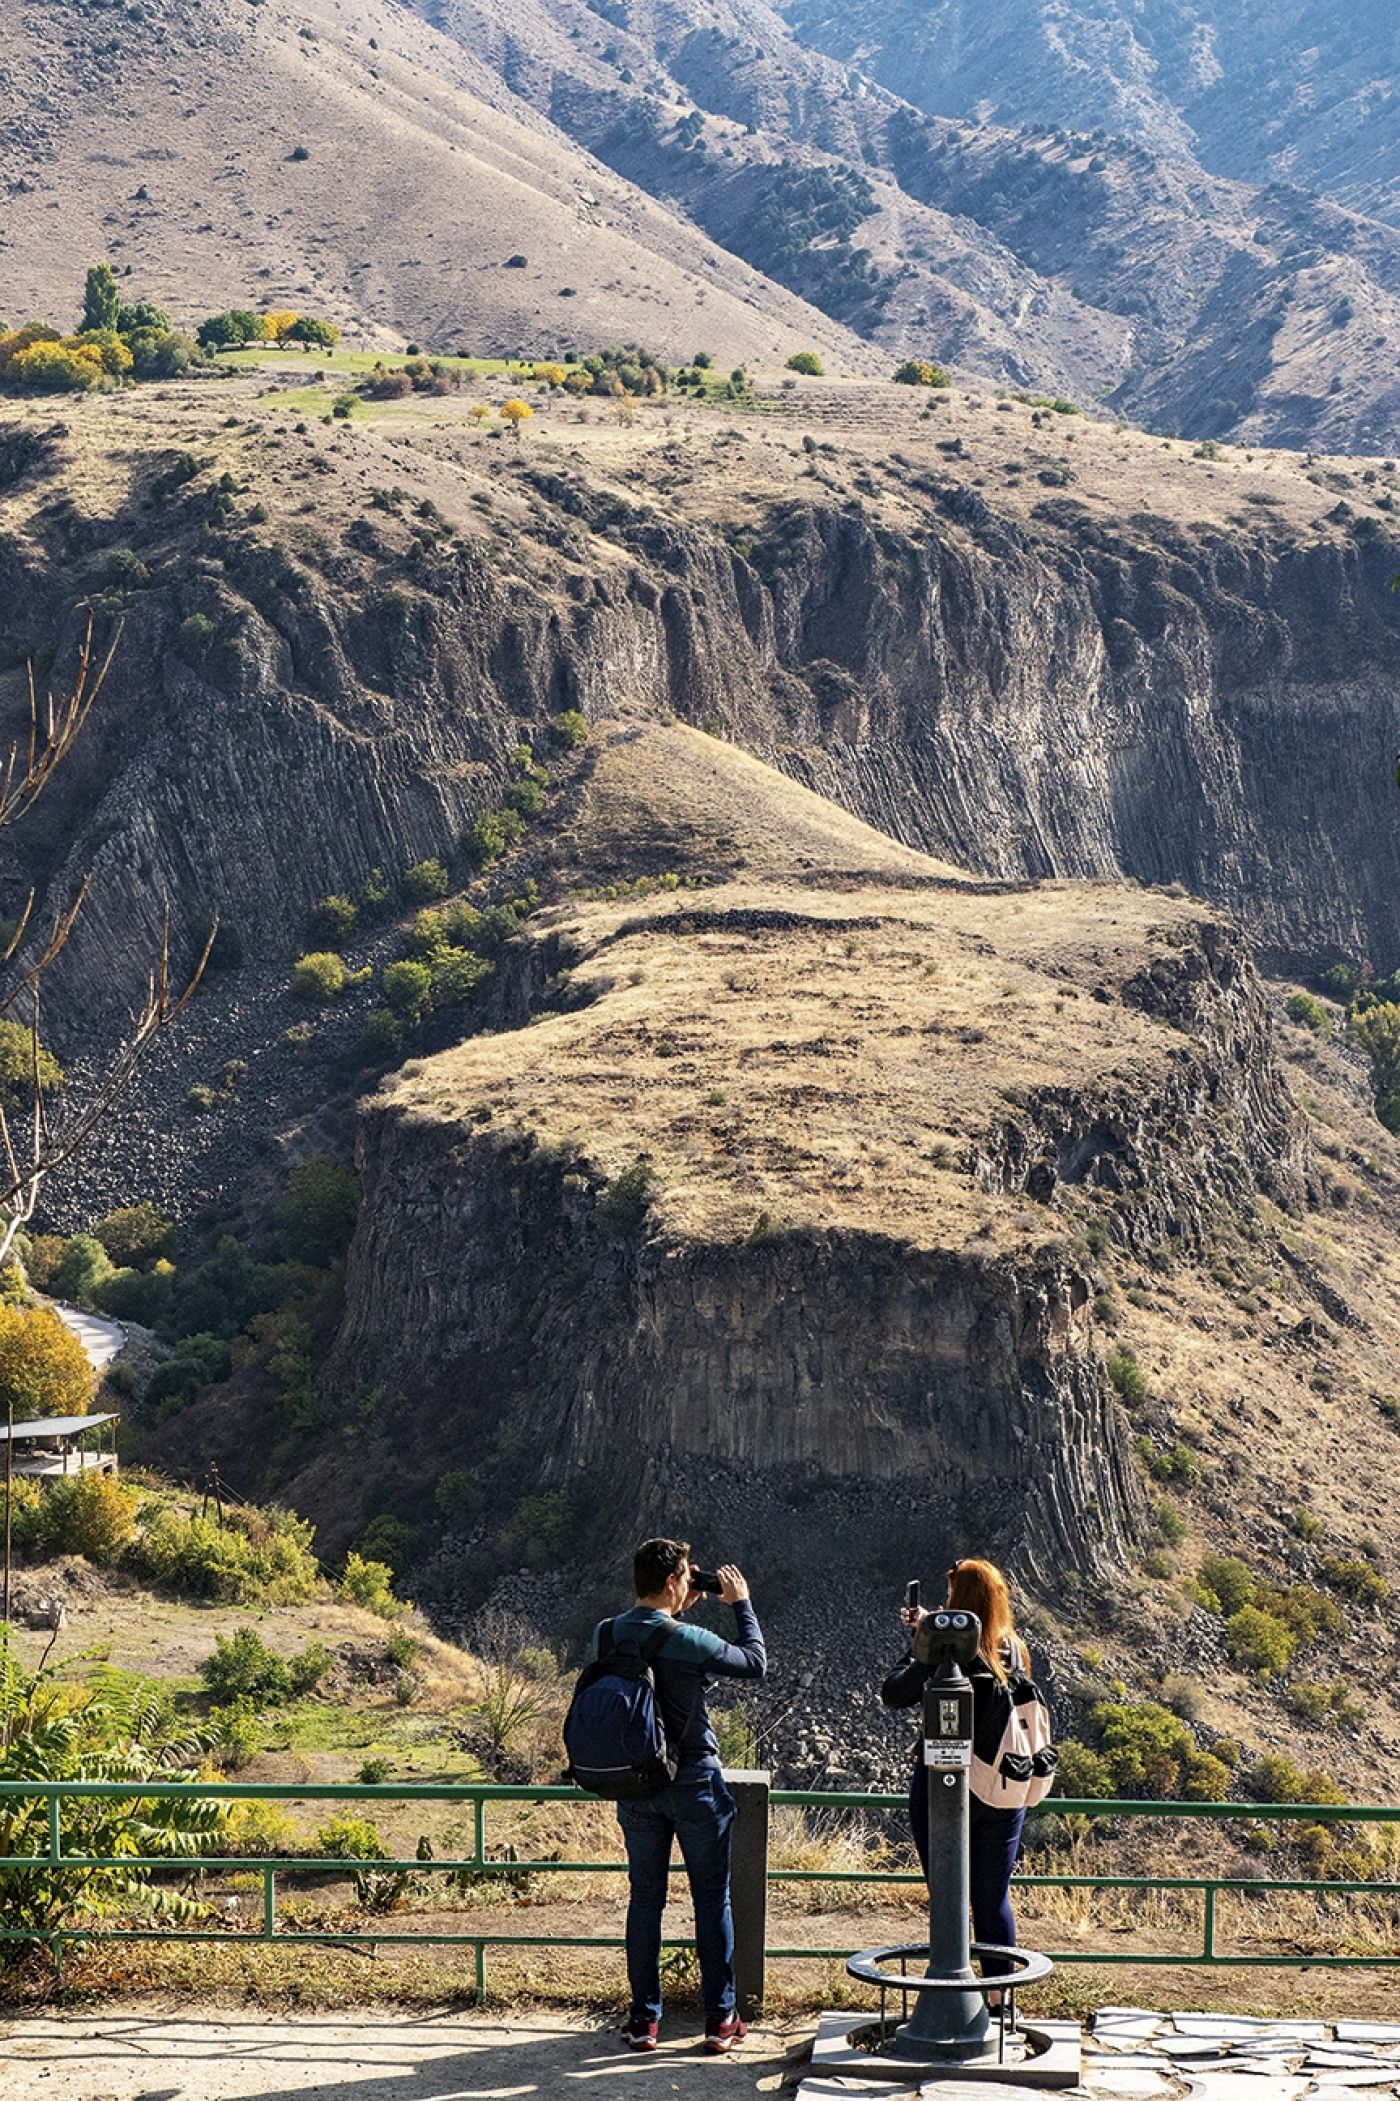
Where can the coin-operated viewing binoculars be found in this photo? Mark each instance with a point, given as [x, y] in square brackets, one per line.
[949, 2024]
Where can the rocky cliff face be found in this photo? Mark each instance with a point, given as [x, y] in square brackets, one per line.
[707, 1386]
[1035, 694]
[912, 1331]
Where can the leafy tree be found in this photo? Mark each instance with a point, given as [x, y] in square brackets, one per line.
[43, 1367]
[491, 834]
[280, 323]
[143, 317]
[17, 1065]
[83, 1266]
[231, 330]
[101, 299]
[56, 368]
[105, 1729]
[112, 350]
[199, 1361]
[311, 333]
[515, 413]
[162, 353]
[479, 411]
[319, 1209]
[136, 1233]
[807, 362]
[1302, 1007]
[89, 1514]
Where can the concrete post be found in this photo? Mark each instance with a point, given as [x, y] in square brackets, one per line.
[748, 1886]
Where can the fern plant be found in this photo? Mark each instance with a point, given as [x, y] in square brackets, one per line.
[108, 1728]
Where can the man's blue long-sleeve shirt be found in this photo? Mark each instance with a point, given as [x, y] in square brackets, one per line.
[689, 1658]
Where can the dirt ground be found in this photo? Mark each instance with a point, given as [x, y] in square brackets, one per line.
[140, 2056]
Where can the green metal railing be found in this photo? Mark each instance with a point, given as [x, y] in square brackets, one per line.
[479, 1861]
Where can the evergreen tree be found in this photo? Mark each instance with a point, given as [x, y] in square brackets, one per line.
[101, 299]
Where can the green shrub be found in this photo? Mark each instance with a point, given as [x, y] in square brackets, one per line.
[1145, 1747]
[918, 372]
[235, 1739]
[1259, 1641]
[423, 882]
[311, 1668]
[459, 1494]
[1177, 1462]
[374, 1772]
[243, 1667]
[320, 975]
[570, 727]
[332, 919]
[1207, 1778]
[196, 633]
[255, 1557]
[348, 1837]
[1229, 1580]
[807, 362]
[1354, 1579]
[401, 1648]
[198, 1362]
[491, 835]
[84, 1265]
[381, 1038]
[1304, 1525]
[1302, 1007]
[526, 798]
[388, 1540]
[136, 1234]
[1277, 1779]
[1170, 1524]
[406, 987]
[17, 1061]
[89, 1514]
[625, 1202]
[318, 1210]
[1126, 1376]
[455, 974]
[1082, 1775]
[369, 1584]
[454, 925]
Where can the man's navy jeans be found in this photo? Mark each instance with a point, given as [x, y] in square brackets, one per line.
[698, 1809]
[995, 1840]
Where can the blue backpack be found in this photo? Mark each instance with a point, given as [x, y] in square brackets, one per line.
[613, 1731]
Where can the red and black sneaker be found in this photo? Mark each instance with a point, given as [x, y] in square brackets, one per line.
[722, 2032]
[641, 2034]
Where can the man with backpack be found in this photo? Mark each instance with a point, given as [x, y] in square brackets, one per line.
[638, 1732]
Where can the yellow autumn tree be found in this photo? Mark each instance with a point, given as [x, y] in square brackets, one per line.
[43, 1367]
[550, 375]
[515, 413]
[479, 411]
[279, 323]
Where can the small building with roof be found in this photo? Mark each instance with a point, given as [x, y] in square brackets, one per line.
[53, 1446]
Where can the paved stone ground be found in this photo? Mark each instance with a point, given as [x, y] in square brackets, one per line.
[1131, 2056]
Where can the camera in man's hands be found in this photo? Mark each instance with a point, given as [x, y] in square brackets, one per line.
[705, 1579]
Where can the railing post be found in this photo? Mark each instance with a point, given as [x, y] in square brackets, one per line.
[1208, 1923]
[748, 1886]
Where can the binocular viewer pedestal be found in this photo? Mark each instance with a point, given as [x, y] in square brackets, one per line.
[949, 2036]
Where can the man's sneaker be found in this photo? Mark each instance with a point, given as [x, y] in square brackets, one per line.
[722, 2032]
[641, 2035]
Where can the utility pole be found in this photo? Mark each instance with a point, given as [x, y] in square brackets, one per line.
[9, 1482]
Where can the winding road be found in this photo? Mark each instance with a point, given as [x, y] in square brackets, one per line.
[101, 1338]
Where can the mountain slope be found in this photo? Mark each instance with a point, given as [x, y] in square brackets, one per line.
[1302, 92]
[1047, 257]
[166, 144]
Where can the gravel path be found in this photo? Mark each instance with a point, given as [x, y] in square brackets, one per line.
[102, 1339]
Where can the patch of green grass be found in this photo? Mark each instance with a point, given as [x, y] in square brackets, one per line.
[359, 360]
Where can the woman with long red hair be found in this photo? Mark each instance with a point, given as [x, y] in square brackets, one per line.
[980, 1587]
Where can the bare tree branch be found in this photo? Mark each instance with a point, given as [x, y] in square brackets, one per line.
[28, 1158]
